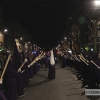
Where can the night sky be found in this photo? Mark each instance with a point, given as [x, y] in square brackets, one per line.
[44, 20]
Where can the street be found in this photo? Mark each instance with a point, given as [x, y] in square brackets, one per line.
[64, 87]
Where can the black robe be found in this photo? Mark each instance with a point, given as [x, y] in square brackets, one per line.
[25, 75]
[10, 83]
[51, 73]
[20, 88]
[2, 97]
[30, 69]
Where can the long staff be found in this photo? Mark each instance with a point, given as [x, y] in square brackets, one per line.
[84, 61]
[22, 64]
[5, 67]
[36, 59]
[81, 56]
[95, 64]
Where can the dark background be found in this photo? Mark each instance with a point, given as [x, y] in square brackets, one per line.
[44, 20]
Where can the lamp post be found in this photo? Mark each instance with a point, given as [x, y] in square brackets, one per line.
[96, 3]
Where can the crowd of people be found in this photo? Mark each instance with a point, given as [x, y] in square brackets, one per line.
[20, 69]
[86, 66]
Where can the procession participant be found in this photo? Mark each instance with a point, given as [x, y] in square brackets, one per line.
[34, 65]
[2, 97]
[64, 61]
[10, 82]
[24, 71]
[51, 73]
[47, 61]
[30, 68]
[91, 71]
[17, 64]
[97, 70]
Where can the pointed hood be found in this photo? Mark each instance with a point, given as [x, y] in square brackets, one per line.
[22, 56]
[16, 54]
[52, 61]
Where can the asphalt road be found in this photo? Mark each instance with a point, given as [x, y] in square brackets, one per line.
[64, 87]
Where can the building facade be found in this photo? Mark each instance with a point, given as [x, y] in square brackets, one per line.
[15, 32]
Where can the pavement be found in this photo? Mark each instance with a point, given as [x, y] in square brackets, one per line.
[64, 87]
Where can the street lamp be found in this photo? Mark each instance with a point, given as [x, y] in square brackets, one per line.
[65, 38]
[5, 30]
[21, 38]
[97, 3]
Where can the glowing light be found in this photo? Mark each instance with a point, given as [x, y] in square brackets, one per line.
[5, 30]
[28, 42]
[91, 49]
[34, 52]
[65, 38]
[8, 51]
[70, 51]
[21, 38]
[97, 3]
[87, 48]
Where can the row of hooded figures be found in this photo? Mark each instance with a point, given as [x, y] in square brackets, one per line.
[16, 78]
[87, 68]
[19, 70]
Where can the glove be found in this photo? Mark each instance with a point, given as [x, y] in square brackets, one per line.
[19, 70]
[29, 66]
[1, 81]
[25, 60]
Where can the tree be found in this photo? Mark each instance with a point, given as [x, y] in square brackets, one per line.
[93, 37]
